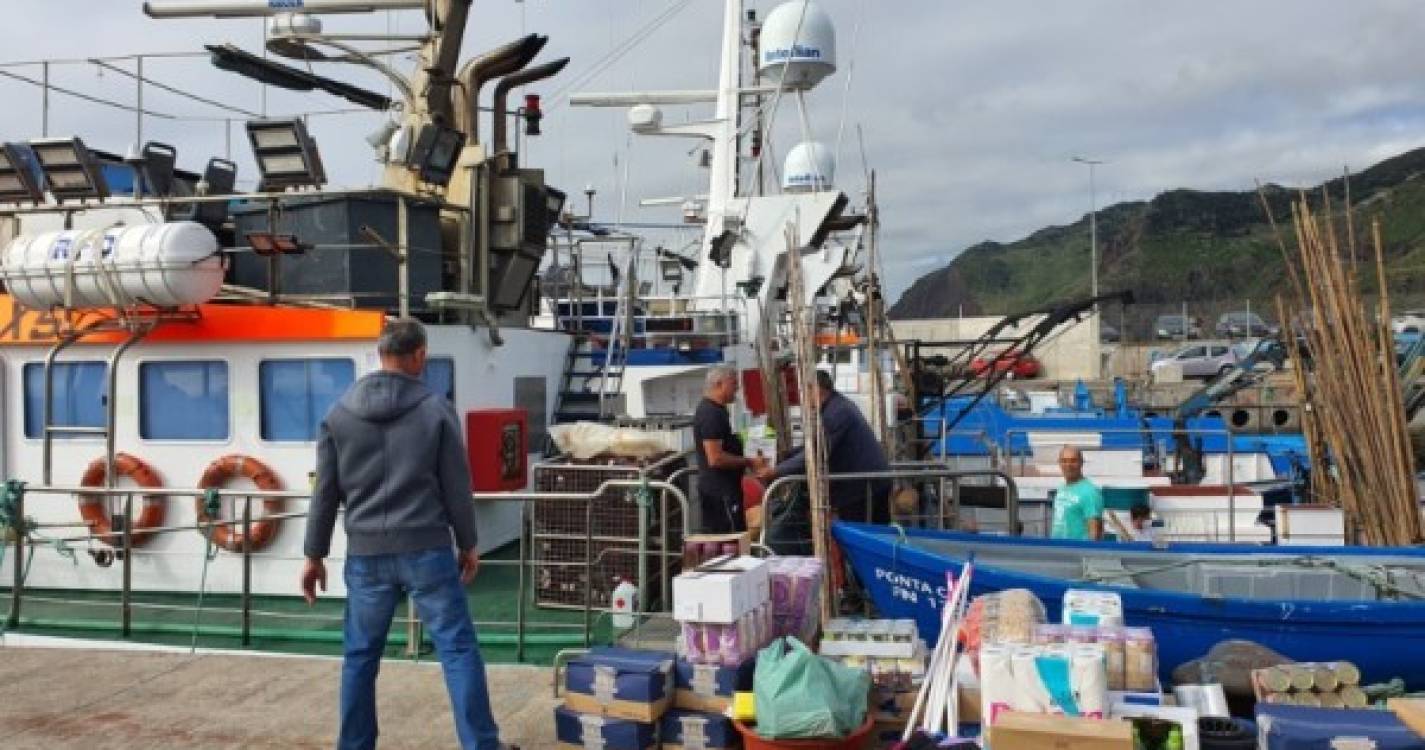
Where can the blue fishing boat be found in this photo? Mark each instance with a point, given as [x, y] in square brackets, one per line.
[1364, 605]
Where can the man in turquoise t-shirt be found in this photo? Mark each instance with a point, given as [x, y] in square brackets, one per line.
[1078, 505]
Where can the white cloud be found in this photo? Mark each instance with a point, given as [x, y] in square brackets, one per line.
[970, 109]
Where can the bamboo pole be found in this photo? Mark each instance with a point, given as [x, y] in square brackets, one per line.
[875, 317]
[1355, 415]
[803, 337]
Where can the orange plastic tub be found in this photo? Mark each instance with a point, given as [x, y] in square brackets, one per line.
[859, 739]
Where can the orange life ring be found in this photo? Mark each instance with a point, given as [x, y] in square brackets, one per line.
[94, 510]
[217, 475]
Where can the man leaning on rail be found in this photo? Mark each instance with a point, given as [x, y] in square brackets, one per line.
[390, 454]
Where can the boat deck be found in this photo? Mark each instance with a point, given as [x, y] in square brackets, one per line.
[85, 698]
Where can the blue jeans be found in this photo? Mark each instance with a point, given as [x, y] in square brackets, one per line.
[375, 584]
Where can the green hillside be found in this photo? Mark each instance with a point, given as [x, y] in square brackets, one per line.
[1212, 250]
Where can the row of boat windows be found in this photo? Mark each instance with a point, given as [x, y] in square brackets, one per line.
[188, 399]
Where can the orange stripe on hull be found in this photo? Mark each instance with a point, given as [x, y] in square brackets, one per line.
[19, 325]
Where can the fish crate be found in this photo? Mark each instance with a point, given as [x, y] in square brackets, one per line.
[605, 530]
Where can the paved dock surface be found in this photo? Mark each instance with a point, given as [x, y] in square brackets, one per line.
[72, 698]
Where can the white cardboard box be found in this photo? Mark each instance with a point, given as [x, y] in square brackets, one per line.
[721, 590]
[873, 649]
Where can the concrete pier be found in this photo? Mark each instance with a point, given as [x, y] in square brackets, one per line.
[89, 698]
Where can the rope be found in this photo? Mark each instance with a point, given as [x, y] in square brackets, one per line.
[212, 505]
[1375, 576]
[11, 521]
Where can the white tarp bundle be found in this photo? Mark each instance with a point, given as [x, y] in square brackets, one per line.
[584, 440]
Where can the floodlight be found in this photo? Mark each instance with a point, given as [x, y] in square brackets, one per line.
[268, 244]
[672, 269]
[156, 163]
[287, 157]
[720, 253]
[17, 182]
[436, 152]
[70, 170]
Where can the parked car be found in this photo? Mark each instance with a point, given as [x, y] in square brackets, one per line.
[1198, 360]
[1016, 364]
[1409, 321]
[1241, 324]
[1404, 342]
[1177, 327]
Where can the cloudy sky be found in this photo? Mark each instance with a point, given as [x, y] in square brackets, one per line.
[970, 109]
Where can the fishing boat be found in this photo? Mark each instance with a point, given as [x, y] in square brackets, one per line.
[171, 340]
[1364, 605]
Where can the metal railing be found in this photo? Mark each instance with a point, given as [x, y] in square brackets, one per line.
[1143, 433]
[243, 499]
[780, 490]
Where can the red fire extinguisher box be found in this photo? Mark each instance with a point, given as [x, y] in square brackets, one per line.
[498, 441]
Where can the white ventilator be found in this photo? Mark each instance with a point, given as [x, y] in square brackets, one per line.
[162, 265]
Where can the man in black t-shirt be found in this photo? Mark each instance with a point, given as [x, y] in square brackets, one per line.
[720, 460]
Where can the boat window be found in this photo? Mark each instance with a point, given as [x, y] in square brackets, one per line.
[78, 396]
[439, 376]
[295, 395]
[183, 400]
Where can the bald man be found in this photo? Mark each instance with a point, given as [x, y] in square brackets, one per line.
[1078, 505]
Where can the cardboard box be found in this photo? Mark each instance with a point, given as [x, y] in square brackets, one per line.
[578, 731]
[620, 683]
[915, 649]
[691, 544]
[1021, 731]
[705, 687]
[721, 591]
[891, 707]
[1410, 711]
[698, 729]
[969, 705]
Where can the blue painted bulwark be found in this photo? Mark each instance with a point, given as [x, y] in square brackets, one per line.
[904, 571]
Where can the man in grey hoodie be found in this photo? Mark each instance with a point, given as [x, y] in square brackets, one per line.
[390, 455]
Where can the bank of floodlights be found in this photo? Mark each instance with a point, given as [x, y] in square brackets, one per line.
[287, 157]
[17, 182]
[69, 169]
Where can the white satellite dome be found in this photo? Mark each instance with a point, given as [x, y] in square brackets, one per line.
[810, 168]
[798, 45]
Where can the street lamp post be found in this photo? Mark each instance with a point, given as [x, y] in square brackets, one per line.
[1094, 325]
[1093, 224]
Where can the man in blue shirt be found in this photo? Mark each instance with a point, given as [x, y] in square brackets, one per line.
[851, 448]
[1078, 505]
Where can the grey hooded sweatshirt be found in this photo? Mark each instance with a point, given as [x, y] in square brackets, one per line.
[391, 454]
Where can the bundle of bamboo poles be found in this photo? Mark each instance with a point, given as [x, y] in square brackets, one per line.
[1356, 412]
[803, 340]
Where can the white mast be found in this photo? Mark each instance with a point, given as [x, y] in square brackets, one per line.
[722, 185]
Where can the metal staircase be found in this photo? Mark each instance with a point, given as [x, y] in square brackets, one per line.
[591, 387]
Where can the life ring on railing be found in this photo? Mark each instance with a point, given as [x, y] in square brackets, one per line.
[217, 475]
[94, 510]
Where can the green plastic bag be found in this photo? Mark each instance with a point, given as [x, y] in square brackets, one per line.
[800, 695]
